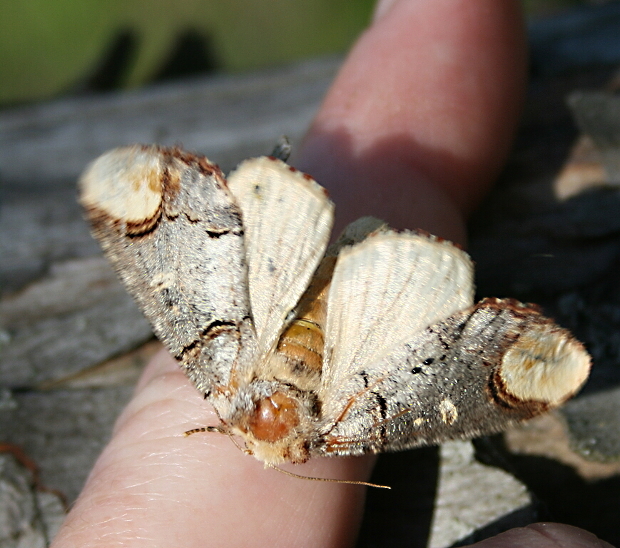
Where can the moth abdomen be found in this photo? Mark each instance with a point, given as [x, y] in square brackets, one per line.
[299, 353]
[300, 350]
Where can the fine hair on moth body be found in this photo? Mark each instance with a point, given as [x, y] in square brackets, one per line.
[373, 344]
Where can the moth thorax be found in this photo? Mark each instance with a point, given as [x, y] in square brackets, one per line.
[274, 418]
[301, 346]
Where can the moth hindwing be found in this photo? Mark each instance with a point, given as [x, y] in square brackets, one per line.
[374, 345]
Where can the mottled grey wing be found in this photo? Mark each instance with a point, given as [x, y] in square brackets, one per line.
[471, 374]
[172, 230]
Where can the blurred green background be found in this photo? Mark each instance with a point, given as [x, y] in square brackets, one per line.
[49, 48]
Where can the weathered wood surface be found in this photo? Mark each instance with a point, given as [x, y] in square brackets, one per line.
[44, 148]
[62, 310]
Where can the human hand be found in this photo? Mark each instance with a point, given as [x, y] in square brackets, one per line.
[413, 131]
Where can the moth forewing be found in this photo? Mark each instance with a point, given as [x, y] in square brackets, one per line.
[474, 373]
[546, 364]
[173, 233]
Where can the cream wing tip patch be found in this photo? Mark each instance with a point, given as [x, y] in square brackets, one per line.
[125, 183]
[546, 364]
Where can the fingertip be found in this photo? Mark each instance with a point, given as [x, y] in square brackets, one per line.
[544, 535]
[161, 363]
[568, 536]
[430, 95]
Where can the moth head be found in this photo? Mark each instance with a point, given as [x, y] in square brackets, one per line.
[273, 426]
[275, 417]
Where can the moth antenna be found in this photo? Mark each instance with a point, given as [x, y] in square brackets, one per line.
[328, 480]
[219, 430]
[204, 429]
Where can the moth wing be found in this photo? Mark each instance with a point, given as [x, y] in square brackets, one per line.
[171, 229]
[384, 290]
[287, 220]
[474, 373]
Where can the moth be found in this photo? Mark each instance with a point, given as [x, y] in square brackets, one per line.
[373, 345]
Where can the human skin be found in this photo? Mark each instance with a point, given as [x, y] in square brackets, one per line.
[414, 130]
